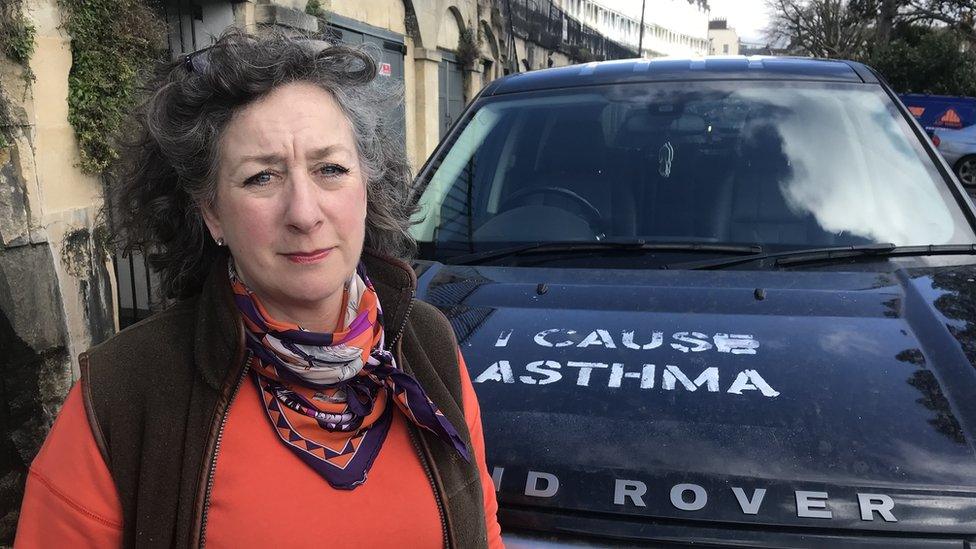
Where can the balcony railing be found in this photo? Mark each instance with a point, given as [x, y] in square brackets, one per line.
[546, 24]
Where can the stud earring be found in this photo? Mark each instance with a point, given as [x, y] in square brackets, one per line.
[220, 242]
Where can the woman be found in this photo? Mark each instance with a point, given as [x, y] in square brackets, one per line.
[298, 392]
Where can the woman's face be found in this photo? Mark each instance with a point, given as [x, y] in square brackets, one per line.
[291, 202]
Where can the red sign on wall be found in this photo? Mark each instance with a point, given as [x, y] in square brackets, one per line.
[386, 69]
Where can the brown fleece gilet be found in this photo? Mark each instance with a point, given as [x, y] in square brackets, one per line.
[155, 394]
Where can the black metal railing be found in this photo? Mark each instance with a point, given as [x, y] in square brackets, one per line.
[135, 286]
[136, 283]
[546, 24]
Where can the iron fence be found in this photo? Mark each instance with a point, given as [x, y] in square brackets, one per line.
[136, 282]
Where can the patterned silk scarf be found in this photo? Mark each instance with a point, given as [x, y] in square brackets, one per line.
[327, 395]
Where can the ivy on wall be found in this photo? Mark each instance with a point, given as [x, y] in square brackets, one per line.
[469, 45]
[315, 9]
[17, 36]
[112, 43]
[17, 44]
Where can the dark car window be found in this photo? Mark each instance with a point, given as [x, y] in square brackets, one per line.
[784, 165]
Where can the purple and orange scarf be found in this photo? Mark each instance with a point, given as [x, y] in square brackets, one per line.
[328, 395]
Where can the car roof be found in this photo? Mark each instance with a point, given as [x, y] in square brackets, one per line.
[683, 69]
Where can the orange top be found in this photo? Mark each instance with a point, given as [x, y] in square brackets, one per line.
[263, 495]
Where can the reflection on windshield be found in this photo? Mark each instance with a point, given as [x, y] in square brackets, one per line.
[783, 165]
[869, 190]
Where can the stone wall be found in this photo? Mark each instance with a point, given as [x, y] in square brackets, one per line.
[56, 297]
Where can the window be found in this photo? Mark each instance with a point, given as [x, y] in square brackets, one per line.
[781, 165]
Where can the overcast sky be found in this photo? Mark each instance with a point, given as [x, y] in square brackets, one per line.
[747, 17]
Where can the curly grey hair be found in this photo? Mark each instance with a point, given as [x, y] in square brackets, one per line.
[168, 166]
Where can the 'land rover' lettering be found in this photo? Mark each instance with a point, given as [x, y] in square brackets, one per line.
[812, 505]
[496, 477]
[692, 497]
[532, 488]
[700, 497]
[750, 506]
[633, 489]
[869, 503]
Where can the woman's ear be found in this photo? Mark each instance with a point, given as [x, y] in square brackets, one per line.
[209, 215]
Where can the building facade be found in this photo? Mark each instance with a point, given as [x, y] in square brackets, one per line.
[722, 39]
[417, 42]
[671, 27]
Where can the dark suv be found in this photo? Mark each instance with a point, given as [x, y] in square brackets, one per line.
[722, 301]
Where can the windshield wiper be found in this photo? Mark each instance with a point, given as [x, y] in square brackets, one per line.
[638, 245]
[837, 253]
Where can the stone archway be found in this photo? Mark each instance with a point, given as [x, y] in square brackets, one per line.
[493, 50]
[412, 24]
[448, 34]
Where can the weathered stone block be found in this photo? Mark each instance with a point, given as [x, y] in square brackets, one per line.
[30, 295]
[34, 366]
[285, 17]
[14, 211]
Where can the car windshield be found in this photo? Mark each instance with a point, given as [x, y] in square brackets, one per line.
[782, 165]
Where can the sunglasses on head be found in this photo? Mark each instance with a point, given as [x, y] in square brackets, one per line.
[197, 62]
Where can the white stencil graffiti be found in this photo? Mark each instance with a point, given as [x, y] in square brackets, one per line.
[598, 337]
[685, 342]
[503, 338]
[697, 339]
[540, 338]
[499, 371]
[583, 379]
[737, 344]
[750, 380]
[545, 372]
[646, 376]
[538, 367]
[709, 378]
[628, 340]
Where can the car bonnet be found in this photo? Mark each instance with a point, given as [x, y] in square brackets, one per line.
[837, 400]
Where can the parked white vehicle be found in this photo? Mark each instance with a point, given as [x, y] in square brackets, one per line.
[958, 147]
